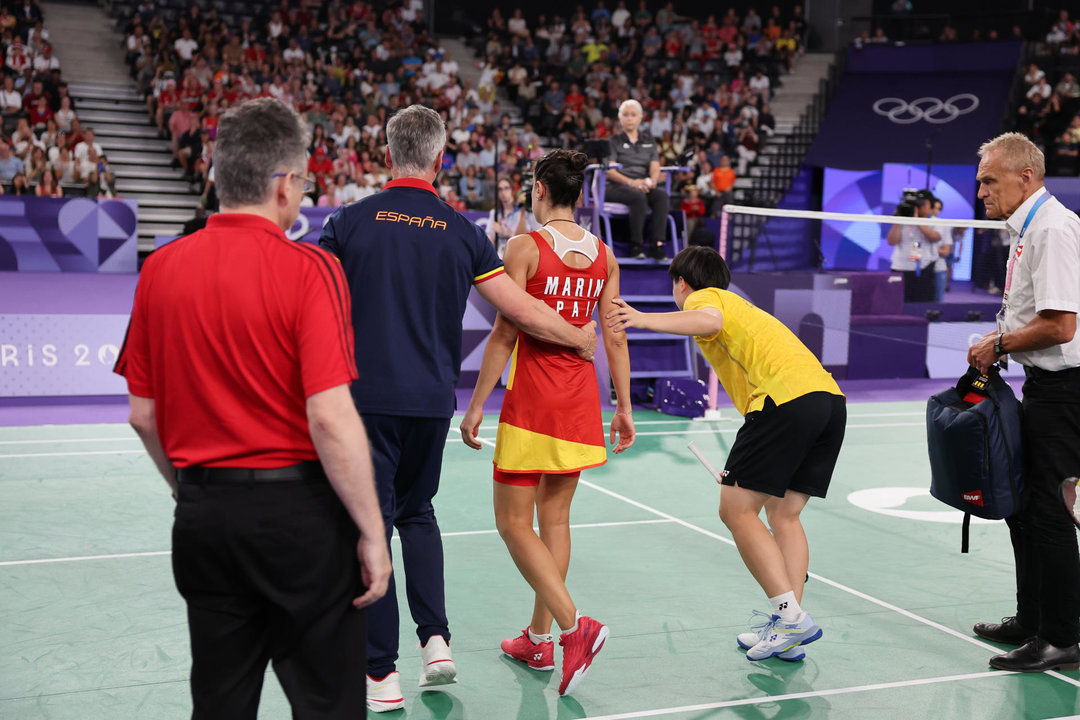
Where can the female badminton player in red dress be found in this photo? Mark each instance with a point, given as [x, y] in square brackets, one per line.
[550, 428]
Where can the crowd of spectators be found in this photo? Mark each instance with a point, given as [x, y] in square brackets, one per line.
[1049, 108]
[44, 149]
[705, 84]
[343, 65]
[1049, 113]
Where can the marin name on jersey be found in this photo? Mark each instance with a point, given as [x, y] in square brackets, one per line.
[411, 220]
[583, 291]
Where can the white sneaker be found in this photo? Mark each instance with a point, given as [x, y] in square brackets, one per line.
[758, 623]
[748, 640]
[780, 636]
[437, 667]
[385, 694]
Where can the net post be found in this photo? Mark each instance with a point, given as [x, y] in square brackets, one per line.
[723, 232]
[711, 412]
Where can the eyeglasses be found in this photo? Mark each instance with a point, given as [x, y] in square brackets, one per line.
[309, 183]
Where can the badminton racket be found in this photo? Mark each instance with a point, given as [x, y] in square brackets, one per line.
[708, 466]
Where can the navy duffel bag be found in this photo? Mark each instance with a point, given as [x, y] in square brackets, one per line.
[976, 451]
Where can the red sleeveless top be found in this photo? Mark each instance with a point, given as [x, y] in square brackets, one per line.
[550, 419]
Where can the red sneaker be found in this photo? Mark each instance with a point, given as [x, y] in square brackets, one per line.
[538, 656]
[579, 649]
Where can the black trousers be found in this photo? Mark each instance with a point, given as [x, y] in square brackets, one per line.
[1043, 536]
[639, 203]
[919, 288]
[407, 455]
[269, 571]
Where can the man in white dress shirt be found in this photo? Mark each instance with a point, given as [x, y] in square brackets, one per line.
[1037, 327]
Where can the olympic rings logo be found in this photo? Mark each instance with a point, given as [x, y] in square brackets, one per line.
[931, 109]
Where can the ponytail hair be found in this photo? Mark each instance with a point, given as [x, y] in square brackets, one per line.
[563, 174]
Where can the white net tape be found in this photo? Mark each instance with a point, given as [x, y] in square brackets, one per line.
[864, 236]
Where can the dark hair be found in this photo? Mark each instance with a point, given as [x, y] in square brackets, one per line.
[701, 267]
[563, 174]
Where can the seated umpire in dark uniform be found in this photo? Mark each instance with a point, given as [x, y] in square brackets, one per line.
[1037, 327]
[637, 183]
[238, 360]
[411, 261]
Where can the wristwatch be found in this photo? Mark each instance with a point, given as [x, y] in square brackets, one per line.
[998, 350]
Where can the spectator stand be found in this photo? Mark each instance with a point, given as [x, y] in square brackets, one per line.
[47, 151]
[344, 66]
[698, 80]
[1046, 94]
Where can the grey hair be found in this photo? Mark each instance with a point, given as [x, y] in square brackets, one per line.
[416, 136]
[631, 103]
[255, 140]
[1017, 152]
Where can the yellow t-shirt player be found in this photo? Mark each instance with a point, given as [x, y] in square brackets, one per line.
[785, 450]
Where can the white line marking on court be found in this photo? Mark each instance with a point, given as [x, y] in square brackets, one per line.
[71, 454]
[85, 557]
[572, 527]
[580, 526]
[449, 440]
[735, 430]
[65, 440]
[798, 696]
[833, 583]
[735, 418]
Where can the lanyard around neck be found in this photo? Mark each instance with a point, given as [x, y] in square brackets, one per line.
[1020, 247]
[1031, 213]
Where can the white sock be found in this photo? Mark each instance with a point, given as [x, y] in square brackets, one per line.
[537, 639]
[787, 607]
[577, 616]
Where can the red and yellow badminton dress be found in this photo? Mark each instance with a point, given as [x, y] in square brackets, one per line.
[550, 421]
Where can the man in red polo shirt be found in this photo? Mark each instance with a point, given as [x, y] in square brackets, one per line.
[238, 359]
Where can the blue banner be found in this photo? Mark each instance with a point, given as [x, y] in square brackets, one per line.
[68, 235]
[861, 245]
[910, 105]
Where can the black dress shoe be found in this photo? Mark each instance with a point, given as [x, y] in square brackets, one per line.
[1038, 656]
[1007, 632]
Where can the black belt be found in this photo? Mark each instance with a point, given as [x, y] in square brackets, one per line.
[1036, 372]
[307, 470]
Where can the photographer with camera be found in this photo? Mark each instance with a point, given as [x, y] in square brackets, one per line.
[914, 252]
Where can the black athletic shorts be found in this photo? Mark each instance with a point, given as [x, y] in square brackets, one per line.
[793, 446]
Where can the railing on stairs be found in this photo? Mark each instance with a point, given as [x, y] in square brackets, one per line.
[758, 243]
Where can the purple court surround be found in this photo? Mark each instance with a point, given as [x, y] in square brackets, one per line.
[91, 296]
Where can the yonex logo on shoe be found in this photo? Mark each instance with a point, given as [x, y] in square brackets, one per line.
[538, 656]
